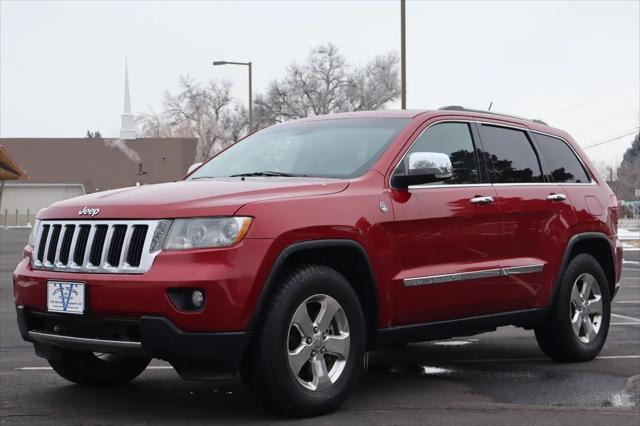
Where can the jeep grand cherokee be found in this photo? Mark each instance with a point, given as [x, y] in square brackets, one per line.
[295, 250]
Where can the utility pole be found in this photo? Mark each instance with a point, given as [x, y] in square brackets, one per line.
[403, 56]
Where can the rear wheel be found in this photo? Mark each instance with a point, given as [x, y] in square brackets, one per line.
[308, 353]
[577, 327]
[89, 368]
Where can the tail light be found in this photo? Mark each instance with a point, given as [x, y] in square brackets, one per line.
[615, 206]
[614, 201]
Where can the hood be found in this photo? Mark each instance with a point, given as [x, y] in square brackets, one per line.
[211, 197]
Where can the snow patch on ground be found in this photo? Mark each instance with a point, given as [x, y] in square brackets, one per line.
[625, 234]
[452, 343]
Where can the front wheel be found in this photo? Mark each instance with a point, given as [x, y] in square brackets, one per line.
[577, 327]
[98, 369]
[307, 354]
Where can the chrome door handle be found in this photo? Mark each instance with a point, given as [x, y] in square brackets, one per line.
[556, 197]
[481, 200]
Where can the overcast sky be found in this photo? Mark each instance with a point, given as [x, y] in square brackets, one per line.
[574, 64]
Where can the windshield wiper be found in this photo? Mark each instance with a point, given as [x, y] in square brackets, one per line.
[267, 173]
[202, 177]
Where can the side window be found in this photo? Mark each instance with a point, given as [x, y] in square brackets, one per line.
[511, 154]
[453, 139]
[563, 165]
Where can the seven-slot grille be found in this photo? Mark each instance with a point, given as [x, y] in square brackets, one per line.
[103, 246]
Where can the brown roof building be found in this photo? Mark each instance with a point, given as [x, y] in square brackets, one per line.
[100, 164]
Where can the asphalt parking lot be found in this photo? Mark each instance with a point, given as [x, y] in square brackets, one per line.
[494, 378]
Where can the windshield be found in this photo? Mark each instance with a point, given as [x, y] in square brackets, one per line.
[342, 148]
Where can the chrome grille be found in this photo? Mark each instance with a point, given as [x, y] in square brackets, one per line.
[103, 246]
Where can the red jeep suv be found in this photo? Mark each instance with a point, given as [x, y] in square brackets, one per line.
[288, 255]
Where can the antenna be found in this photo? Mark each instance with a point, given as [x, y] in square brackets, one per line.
[490, 105]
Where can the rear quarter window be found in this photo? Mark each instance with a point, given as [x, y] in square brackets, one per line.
[560, 160]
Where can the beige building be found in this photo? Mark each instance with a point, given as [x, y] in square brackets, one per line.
[22, 201]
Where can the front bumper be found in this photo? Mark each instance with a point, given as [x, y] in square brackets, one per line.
[230, 278]
[195, 355]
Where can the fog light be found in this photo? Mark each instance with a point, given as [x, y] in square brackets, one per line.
[197, 298]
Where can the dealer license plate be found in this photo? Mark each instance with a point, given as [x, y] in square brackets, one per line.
[65, 297]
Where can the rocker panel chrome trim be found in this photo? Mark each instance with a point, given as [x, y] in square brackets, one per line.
[462, 276]
[473, 275]
[528, 269]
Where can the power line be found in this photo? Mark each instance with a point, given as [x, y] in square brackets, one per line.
[588, 100]
[610, 139]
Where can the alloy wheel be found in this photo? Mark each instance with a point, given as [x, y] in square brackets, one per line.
[318, 342]
[585, 308]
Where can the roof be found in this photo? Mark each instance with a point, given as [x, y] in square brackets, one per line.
[385, 113]
[460, 108]
[100, 164]
[452, 110]
[9, 168]
[449, 112]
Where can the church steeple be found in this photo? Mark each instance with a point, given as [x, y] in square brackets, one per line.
[128, 122]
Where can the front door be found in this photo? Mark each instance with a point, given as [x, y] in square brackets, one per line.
[447, 235]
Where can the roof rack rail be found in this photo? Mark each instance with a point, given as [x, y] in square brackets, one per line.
[461, 108]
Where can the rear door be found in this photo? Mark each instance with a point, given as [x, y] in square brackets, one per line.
[563, 167]
[535, 214]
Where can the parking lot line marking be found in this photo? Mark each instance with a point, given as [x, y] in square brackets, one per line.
[151, 367]
[625, 323]
[626, 317]
[619, 357]
[628, 302]
[33, 368]
[538, 359]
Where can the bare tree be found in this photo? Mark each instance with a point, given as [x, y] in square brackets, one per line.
[326, 83]
[234, 124]
[155, 125]
[629, 172]
[200, 110]
[375, 85]
[207, 113]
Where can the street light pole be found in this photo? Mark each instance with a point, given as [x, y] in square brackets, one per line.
[403, 56]
[217, 63]
[250, 100]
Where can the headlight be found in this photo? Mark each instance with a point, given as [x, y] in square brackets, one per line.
[34, 232]
[206, 232]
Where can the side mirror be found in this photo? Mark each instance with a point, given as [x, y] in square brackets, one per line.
[193, 167]
[423, 167]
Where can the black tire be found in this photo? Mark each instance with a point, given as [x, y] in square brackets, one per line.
[87, 368]
[556, 337]
[267, 368]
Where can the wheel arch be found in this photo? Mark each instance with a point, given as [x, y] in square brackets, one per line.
[346, 256]
[596, 244]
